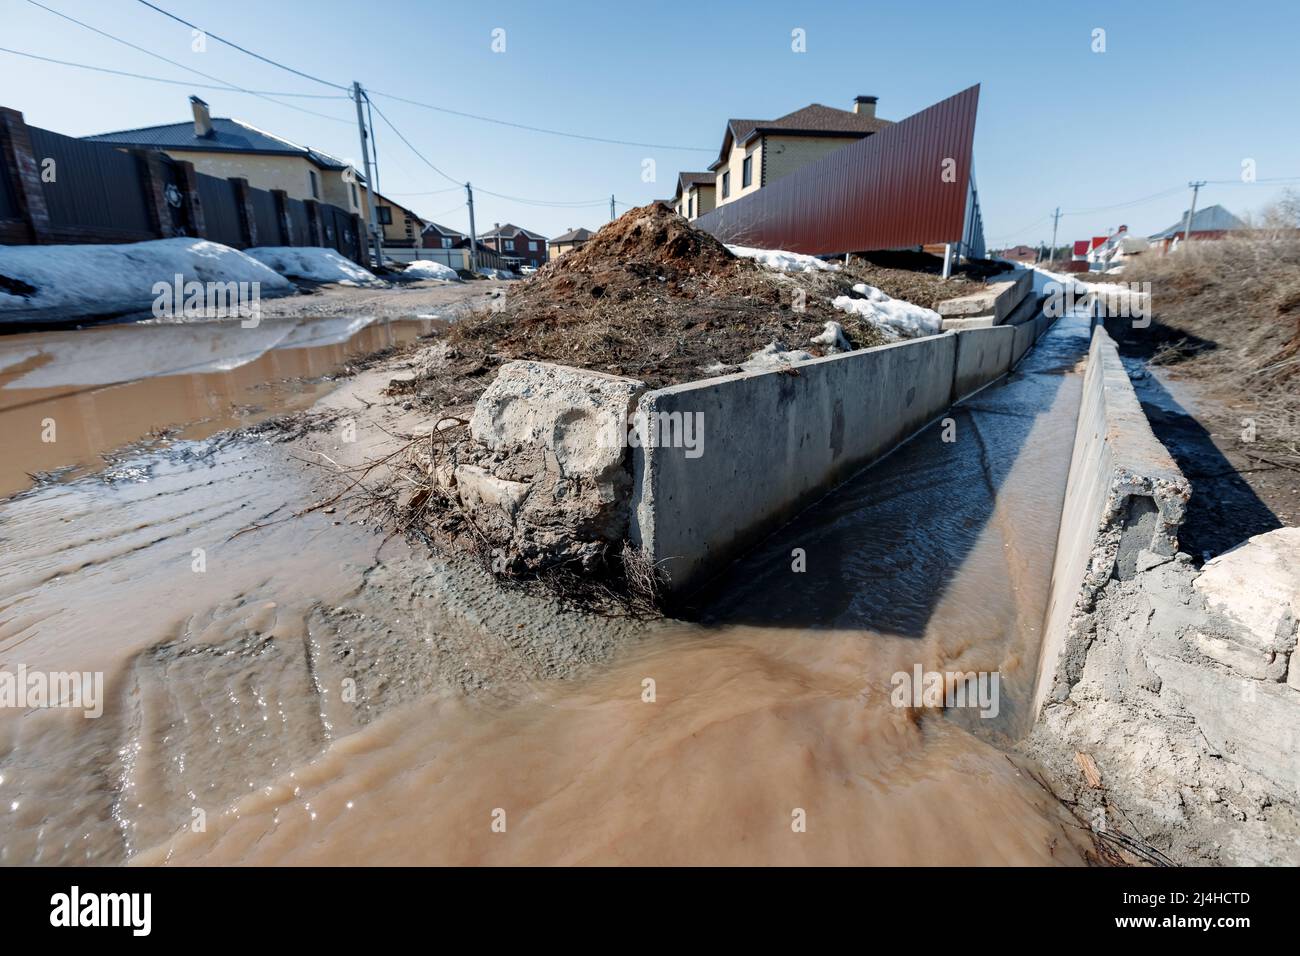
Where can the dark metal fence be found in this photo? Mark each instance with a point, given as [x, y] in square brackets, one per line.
[57, 189]
[907, 185]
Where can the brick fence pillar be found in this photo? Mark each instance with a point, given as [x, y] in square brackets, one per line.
[190, 200]
[153, 180]
[282, 214]
[247, 218]
[316, 232]
[19, 165]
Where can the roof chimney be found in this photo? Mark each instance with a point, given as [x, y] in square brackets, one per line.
[202, 119]
[865, 105]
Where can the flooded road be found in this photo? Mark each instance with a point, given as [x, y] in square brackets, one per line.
[69, 398]
[317, 694]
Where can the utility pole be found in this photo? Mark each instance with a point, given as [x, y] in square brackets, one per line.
[1056, 219]
[357, 94]
[473, 237]
[612, 217]
[1187, 226]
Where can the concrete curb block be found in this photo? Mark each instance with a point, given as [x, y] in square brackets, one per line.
[1125, 496]
[983, 356]
[773, 442]
[996, 300]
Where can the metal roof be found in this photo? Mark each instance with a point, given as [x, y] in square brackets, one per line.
[1209, 219]
[228, 136]
[575, 235]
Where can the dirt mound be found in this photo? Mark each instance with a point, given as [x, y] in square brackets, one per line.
[650, 248]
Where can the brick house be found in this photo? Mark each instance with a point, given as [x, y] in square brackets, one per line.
[516, 245]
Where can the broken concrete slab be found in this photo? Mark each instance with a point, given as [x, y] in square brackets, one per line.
[581, 417]
[543, 476]
[1256, 587]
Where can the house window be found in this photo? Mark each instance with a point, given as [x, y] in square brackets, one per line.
[690, 208]
[747, 172]
[315, 184]
[532, 246]
[385, 215]
[446, 242]
[509, 245]
[726, 184]
[356, 202]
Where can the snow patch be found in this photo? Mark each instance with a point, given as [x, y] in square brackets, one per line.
[832, 339]
[783, 261]
[427, 269]
[78, 281]
[314, 263]
[899, 318]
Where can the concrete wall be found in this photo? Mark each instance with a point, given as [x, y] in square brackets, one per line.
[997, 299]
[771, 443]
[983, 355]
[1124, 500]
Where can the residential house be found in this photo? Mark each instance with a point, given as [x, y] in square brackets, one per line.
[400, 226]
[573, 239]
[1021, 253]
[1212, 222]
[517, 246]
[230, 148]
[757, 152]
[442, 237]
[695, 194]
[1112, 250]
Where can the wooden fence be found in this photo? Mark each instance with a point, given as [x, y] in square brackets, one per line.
[58, 189]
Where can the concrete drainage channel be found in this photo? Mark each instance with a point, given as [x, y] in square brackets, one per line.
[1178, 689]
[1145, 661]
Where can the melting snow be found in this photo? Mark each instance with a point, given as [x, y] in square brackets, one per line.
[784, 261]
[903, 319]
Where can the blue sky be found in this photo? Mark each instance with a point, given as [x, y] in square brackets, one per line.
[1184, 90]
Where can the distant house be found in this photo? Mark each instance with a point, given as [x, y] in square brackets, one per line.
[695, 194]
[757, 152]
[231, 148]
[401, 227]
[516, 245]
[1019, 254]
[435, 236]
[1212, 222]
[1112, 250]
[573, 239]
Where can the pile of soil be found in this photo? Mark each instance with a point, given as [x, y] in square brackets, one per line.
[653, 298]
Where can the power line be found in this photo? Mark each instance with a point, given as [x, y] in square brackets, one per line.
[230, 43]
[162, 79]
[532, 202]
[538, 129]
[182, 66]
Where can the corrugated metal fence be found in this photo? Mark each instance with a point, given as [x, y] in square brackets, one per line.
[58, 189]
[907, 185]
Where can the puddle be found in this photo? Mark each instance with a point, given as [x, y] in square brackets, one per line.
[68, 398]
[319, 695]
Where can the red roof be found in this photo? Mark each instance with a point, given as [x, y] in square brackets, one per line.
[1081, 247]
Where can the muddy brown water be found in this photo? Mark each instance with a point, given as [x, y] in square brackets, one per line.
[319, 695]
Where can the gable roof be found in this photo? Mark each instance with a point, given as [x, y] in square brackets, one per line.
[1209, 219]
[509, 230]
[686, 180]
[813, 119]
[575, 235]
[443, 231]
[228, 136]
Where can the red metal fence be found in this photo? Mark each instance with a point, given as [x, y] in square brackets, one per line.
[906, 185]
